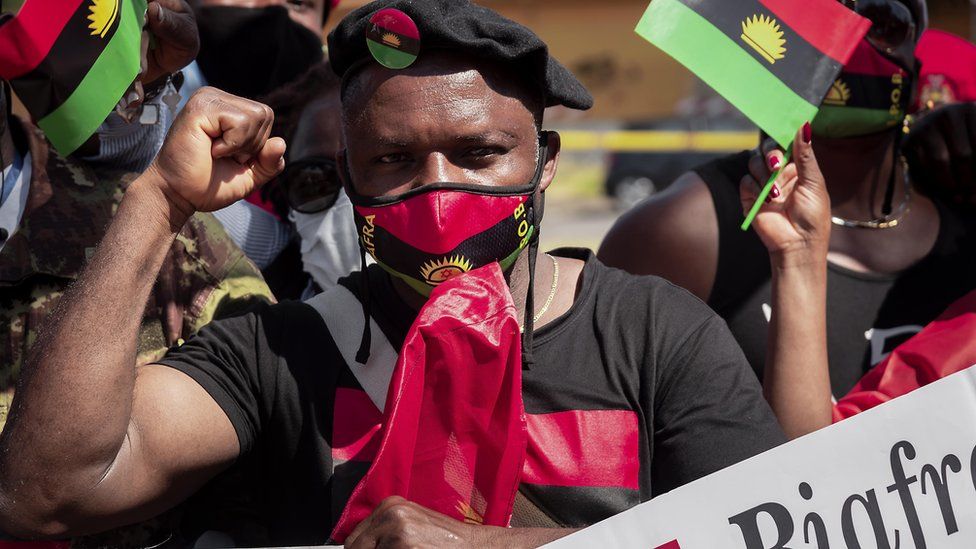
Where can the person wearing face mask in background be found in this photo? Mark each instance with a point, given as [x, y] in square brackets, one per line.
[887, 258]
[309, 190]
[252, 48]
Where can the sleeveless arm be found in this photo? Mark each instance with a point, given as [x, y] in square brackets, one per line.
[673, 235]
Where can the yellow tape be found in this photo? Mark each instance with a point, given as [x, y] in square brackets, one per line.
[658, 141]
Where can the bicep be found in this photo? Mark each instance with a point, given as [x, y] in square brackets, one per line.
[673, 235]
[178, 438]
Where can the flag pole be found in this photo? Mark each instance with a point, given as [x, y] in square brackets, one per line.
[765, 192]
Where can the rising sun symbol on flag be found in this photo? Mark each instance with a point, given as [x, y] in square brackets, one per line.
[103, 15]
[765, 36]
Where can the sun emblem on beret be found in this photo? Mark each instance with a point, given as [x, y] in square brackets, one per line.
[435, 272]
[103, 14]
[764, 35]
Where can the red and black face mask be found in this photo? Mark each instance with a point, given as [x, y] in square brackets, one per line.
[427, 235]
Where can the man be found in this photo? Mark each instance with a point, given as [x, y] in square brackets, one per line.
[638, 387]
[56, 209]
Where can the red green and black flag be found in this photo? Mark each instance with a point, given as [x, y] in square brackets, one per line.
[70, 61]
[774, 60]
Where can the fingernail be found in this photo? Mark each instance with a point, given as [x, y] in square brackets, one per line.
[774, 162]
[807, 133]
[774, 192]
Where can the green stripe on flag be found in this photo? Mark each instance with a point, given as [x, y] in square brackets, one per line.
[726, 67]
[75, 120]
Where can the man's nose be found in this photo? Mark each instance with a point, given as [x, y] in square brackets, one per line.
[437, 168]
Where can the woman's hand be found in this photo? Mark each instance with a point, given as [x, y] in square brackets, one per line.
[794, 224]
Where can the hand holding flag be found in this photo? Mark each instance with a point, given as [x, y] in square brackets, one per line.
[774, 60]
[795, 220]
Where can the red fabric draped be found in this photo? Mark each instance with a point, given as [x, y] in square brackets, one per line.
[946, 346]
[454, 435]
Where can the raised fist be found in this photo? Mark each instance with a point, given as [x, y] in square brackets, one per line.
[217, 151]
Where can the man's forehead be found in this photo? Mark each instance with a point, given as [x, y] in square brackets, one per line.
[439, 83]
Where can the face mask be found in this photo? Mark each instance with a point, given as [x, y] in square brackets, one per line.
[871, 95]
[252, 51]
[430, 234]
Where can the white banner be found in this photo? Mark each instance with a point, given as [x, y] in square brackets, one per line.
[898, 476]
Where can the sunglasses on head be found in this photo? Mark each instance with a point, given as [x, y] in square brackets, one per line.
[892, 23]
[311, 184]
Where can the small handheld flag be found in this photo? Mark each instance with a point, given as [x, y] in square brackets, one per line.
[70, 61]
[774, 60]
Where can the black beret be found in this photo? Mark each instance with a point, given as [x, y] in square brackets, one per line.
[460, 26]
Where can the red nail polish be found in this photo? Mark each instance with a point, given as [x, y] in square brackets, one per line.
[774, 162]
[774, 192]
[807, 133]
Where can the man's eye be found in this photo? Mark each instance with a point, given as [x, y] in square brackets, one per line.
[392, 158]
[483, 152]
[299, 4]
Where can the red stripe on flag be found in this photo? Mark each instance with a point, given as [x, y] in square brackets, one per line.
[826, 24]
[355, 426]
[582, 448]
[26, 39]
[438, 221]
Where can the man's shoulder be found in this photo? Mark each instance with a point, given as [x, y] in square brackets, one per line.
[650, 294]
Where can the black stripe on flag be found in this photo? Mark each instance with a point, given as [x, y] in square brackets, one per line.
[72, 55]
[803, 68]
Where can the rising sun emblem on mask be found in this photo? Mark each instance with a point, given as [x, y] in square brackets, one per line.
[435, 272]
[391, 40]
[103, 15]
[838, 94]
[764, 35]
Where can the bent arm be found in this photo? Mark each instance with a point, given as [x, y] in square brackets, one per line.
[673, 235]
[92, 442]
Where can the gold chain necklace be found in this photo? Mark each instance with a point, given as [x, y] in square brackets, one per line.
[552, 291]
[886, 221]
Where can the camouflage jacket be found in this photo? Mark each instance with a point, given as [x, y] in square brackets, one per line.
[69, 206]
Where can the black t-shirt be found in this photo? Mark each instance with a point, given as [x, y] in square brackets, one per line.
[868, 315]
[648, 379]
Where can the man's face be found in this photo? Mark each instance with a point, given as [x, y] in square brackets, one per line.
[441, 120]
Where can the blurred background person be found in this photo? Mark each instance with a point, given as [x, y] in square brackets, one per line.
[944, 132]
[309, 114]
[60, 206]
[251, 48]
